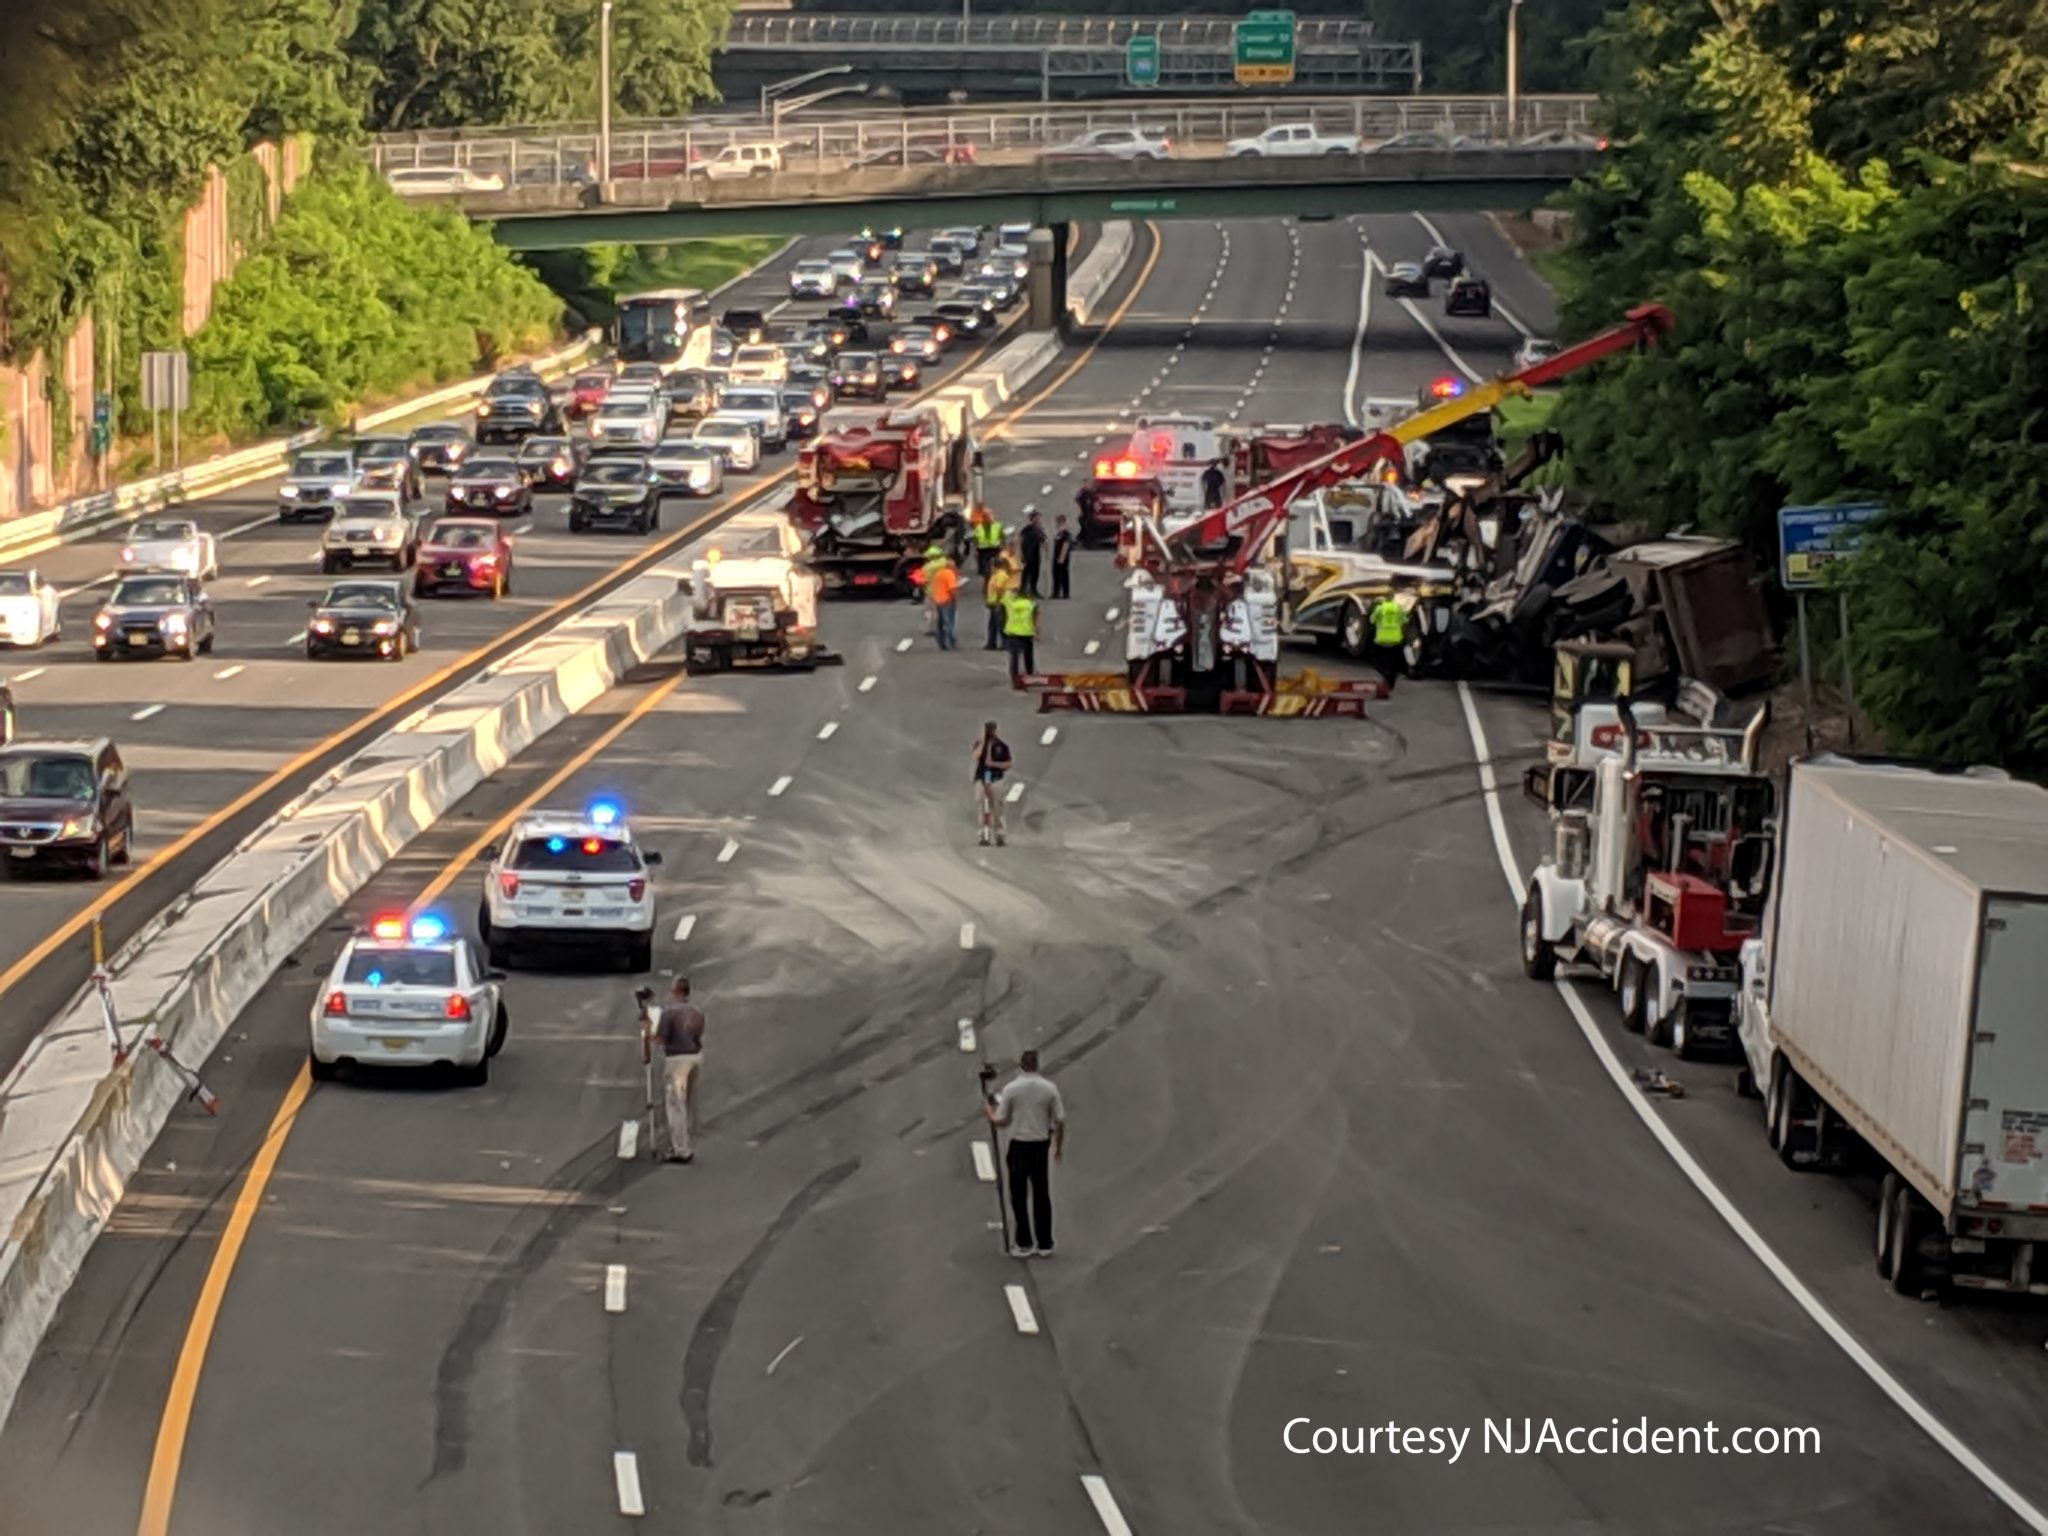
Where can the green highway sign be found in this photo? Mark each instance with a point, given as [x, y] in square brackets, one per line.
[1141, 58]
[1143, 204]
[1265, 48]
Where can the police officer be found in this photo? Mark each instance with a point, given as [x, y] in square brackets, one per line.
[1389, 636]
[1020, 631]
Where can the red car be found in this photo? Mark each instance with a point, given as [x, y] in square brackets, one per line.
[464, 554]
[586, 393]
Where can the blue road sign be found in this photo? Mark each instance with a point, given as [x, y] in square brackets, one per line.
[1812, 538]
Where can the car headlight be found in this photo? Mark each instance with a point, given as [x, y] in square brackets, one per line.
[506, 490]
[322, 626]
[103, 621]
[384, 627]
[127, 551]
[340, 488]
[79, 826]
[174, 621]
[289, 492]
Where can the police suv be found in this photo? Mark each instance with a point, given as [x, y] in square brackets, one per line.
[408, 994]
[570, 882]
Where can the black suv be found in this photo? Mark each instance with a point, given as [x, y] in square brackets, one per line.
[64, 802]
[625, 494]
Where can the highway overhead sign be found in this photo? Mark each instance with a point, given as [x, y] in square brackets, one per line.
[1812, 538]
[1265, 48]
[1141, 59]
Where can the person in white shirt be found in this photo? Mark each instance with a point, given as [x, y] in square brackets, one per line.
[1031, 1109]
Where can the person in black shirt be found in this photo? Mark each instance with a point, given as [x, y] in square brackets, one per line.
[1031, 545]
[991, 762]
[1062, 557]
[1212, 484]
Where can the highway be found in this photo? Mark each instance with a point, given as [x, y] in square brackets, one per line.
[256, 718]
[1333, 1159]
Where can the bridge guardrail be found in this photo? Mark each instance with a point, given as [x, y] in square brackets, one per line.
[1198, 130]
[756, 30]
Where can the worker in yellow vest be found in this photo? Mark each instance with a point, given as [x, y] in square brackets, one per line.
[996, 585]
[1389, 635]
[1020, 631]
[988, 538]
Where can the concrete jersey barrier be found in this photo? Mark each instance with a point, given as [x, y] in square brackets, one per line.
[73, 1131]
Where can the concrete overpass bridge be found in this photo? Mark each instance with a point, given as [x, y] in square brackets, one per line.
[929, 57]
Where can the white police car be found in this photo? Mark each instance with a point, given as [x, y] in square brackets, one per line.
[409, 994]
[570, 882]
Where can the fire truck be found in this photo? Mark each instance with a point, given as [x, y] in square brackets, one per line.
[1657, 875]
[874, 490]
[1203, 631]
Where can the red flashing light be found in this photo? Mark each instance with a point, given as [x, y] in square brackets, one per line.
[388, 928]
[458, 1006]
[1446, 388]
[337, 1005]
[593, 845]
[1162, 446]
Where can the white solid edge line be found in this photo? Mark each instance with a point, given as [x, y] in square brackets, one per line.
[732, 846]
[1112, 1518]
[828, 730]
[684, 925]
[984, 1160]
[967, 935]
[775, 790]
[1815, 1309]
[1358, 341]
[1020, 1309]
[626, 1473]
[1498, 308]
[147, 711]
[615, 1287]
[1016, 793]
[629, 1140]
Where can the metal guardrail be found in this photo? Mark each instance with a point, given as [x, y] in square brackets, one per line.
[753, 30]
[648, 151]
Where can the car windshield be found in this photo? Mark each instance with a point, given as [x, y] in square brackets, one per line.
[856, 362]
[378, 450]
[368, 509]
[360, 594]
[543, 447]
[323, 465]
[16, 584]
[576, 855]
[684, 453]
[462, 536]
[614, 474]
[447, 434]
[721, 430]
[819, 267]
[382, 967]
[26, 777]
[585, 381]
[147, 592]
[490, 469]
[154, 531]
[750, 400]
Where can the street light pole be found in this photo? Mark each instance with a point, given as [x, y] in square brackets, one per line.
[1514, 70]
[604, 94]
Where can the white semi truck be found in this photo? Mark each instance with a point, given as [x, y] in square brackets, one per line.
[1897, 998]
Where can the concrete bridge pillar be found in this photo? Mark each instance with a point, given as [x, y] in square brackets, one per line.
[1048, 289]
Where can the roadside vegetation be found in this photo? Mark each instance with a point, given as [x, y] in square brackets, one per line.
[591, 280]
[112, 110]
[1845, 207]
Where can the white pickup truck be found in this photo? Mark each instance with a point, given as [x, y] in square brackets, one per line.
[1294, 139]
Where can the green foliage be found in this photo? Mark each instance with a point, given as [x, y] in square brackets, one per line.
[1857, 317]
[591, 280]
[355, 296]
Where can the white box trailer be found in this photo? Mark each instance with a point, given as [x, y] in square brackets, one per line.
[1899, 990]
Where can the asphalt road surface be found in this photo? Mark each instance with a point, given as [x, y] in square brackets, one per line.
[199, 736]
[1334, 1162]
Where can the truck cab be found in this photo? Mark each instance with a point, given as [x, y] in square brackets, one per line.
[1593, 681]
[1660, 865]
[753, 603]
[1335, 571]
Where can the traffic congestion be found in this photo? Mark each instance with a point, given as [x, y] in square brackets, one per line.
[1253, 919]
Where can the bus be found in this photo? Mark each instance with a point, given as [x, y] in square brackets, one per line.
[654, 327]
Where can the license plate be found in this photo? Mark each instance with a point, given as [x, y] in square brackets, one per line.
[1967, 1244]
[748, 632]
[139, 637]
[351, 636]
[21, 853]
[865, 581]
[396, 1043]
[451, 570]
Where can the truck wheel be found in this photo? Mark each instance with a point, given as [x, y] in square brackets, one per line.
[1539, 960]
[1656, 1021]
[1781, 1121]
[1902, 1265]
[1631, 991]
[1354, 632]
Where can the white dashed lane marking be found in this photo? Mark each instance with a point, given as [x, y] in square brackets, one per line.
[867, 684]
[828, 730]
[629, 1140]
[685, 925]
[1112, 1518]
[967, 935]
[615, 1287]
[227, 672]
[984, 1161]
[30, 675]
[904, 644]
[1020, 1309]
[731, 847]
[626, 1474]
[146, 711]
[965, 1031]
